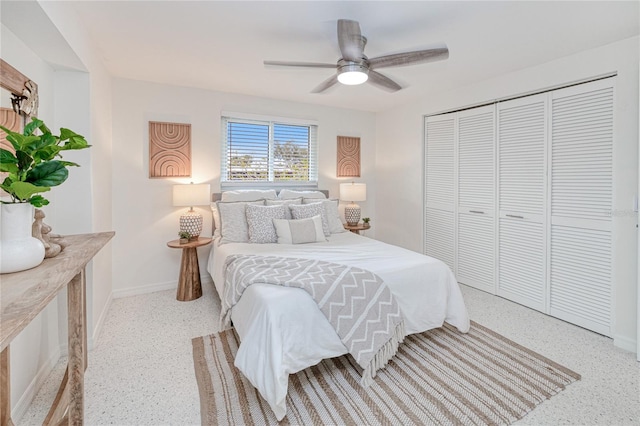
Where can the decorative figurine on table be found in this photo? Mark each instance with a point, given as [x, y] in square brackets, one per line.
[42, 231]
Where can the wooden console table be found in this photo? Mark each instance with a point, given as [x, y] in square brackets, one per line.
[25, 294]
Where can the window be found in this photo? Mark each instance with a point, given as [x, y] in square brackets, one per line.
[268, 151]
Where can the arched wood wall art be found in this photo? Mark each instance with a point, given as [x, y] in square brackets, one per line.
[348, 157]
[169, 150]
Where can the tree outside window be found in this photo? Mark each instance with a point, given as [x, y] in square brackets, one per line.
[271, 152]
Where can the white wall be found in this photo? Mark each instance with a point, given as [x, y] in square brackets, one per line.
[101, 188]
[86, 206]
[143, 217]
[399, 157]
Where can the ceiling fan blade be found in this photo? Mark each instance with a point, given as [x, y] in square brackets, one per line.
[299, 64]
[350, 40]
[410, 58]
[331, 81]
[383, 82]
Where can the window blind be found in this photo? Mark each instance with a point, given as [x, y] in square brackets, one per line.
[255, 151]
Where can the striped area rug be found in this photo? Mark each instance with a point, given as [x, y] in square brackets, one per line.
[439, 377]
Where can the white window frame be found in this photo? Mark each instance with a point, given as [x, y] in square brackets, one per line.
[270, 121]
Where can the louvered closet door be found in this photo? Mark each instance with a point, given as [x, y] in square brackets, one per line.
[476, 208]
[439, 188]
[581, 204]
[521, 198]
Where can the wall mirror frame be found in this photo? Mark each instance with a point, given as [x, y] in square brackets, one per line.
[23, 94]
[24, 91]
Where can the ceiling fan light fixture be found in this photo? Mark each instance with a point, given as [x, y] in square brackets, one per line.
[355, 68]
[353, 74]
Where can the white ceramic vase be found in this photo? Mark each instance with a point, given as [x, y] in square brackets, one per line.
[18, 249]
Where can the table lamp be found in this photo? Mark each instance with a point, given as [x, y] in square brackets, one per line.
[353, 192]
[191, 195]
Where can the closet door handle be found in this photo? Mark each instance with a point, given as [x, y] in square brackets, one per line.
[476, 211]
[515, 216]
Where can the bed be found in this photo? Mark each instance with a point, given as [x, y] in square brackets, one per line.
[284, 328]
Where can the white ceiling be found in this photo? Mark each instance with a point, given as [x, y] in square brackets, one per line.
[221, 45]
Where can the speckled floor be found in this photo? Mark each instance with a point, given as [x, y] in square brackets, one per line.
[141, 372]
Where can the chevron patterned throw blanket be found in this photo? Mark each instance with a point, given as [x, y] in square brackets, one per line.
[356, 302]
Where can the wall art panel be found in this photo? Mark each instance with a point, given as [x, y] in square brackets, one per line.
[348, 156]
[169, 149]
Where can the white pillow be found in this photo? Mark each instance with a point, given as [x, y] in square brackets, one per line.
[287, 194]
[285, 203]
[216, 220]
[249, 195]
[233, 221]
[299, 231]
[309, 210]
[260, 221]
[333, 215]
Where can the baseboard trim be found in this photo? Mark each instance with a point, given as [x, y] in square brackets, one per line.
[205, 278]
[625, 343]
[93, 339]
[149, 288]
[23, 404]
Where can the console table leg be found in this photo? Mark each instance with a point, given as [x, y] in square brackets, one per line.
[5, 389]
[85, 347]
[58, 413]
[60, 403]
[75, 306]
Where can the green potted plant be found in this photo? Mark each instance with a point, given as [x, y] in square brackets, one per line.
[33, 168]
[366, 220]
[184, 237]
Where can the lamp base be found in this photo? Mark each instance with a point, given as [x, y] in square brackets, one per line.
[352, 214]
[191, 222]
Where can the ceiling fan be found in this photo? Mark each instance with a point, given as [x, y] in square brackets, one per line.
[355, 68]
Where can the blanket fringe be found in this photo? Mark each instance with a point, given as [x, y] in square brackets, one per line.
[385, 353]
[225, 320]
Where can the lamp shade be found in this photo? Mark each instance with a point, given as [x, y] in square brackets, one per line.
[353, 191]
[191, 195]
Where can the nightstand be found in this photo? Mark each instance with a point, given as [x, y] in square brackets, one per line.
[189, 286]
[357, 228]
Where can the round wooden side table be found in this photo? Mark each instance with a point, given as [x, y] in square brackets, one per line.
[189, 286]
[357, 228]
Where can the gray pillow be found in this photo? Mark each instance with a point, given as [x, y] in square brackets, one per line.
[305, 211]
[285, 203]
[332, 212]
[260, 221]
[233, 221]
[299, 231]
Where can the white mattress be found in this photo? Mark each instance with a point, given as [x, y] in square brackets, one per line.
[283, 331]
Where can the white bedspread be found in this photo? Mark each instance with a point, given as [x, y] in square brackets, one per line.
[282, 329]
